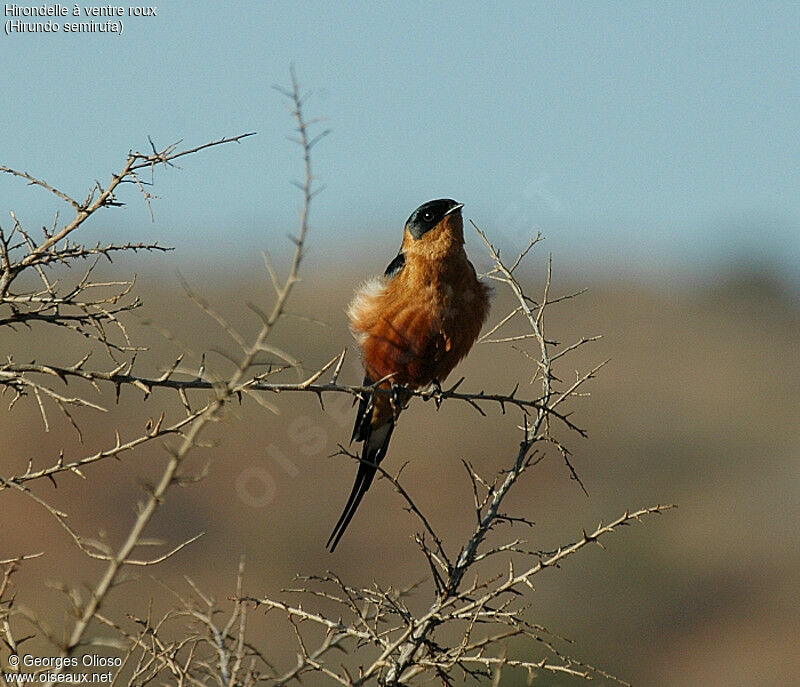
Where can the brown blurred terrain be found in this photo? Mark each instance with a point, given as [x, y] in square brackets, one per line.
[698, 407]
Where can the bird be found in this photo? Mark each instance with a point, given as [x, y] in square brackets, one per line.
[413, 325]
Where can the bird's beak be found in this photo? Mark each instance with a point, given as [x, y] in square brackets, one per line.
[455, 208]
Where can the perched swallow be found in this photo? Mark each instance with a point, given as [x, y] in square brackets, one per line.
[413, 325]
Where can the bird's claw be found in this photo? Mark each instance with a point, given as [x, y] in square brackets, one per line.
[435, 393]
[398, 397]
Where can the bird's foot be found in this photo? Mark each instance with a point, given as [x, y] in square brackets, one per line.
[434, 392]
[398, 397]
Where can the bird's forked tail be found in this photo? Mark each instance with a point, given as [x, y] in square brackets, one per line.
[375, 422]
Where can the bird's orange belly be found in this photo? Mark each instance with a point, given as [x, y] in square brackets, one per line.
[415, 345]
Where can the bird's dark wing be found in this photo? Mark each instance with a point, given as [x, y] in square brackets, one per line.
[395, 265]
[376, 436]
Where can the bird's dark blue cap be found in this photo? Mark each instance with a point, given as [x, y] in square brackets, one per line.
[429, 214]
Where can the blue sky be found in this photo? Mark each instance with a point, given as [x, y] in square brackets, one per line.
[639, 136]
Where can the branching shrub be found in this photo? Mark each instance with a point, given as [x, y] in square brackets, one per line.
[374, 637]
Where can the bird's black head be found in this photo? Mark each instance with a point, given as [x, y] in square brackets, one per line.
[427, 216]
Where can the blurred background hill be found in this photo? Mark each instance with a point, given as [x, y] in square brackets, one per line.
[697, 407]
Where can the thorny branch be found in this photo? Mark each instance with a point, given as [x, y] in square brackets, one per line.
[93, 309]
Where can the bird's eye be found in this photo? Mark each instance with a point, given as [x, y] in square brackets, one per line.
[428, 216]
